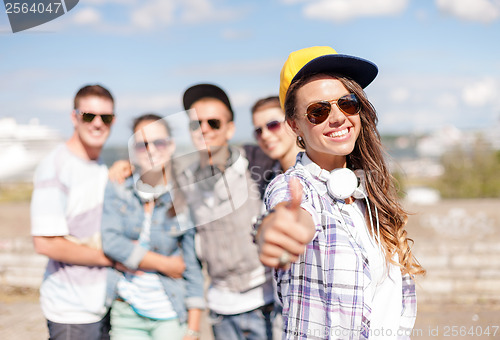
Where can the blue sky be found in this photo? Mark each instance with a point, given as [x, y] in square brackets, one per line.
[439, 60]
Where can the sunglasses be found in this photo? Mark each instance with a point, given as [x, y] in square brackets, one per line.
[318, 112]
[88, 117]
[160, 144]
[272, 126]
[213, 123]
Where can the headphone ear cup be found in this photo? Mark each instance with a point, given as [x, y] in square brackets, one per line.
[360, 192]
[342, 183]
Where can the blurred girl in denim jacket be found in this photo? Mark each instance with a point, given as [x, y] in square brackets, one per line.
[156, 290]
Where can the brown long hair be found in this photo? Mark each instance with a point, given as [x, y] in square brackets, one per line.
[380, 185]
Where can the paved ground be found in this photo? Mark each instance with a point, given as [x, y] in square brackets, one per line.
[466, 317]
[20, 315]
[21, 319]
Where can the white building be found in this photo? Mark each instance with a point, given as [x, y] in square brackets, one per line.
[22, 146]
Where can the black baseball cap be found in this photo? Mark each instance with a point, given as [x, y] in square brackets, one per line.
[199, 91]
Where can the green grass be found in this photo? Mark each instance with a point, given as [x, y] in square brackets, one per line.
[15, 192]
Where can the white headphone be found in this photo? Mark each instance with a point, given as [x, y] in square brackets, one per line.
[149, 193]
[343, 183]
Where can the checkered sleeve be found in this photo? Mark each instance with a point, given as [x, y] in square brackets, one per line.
[409, 306]
[322, 293]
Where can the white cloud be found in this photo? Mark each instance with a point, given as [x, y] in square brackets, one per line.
[392, 119]
[399, 95]
[481, 92]
[472, 10]
[425, 102]
[87, 16]
[5, 28]
[240, 67]
[23, 79]
[410, 119]
[159, 13]
[153, 102]
[291, 2]
[422, 15]
[242, 99]
[231, 34]
[344, 10]
[153, 14]
[447, 101]
[198, 11]
[55, 104]
[105, 2]
[413, 119]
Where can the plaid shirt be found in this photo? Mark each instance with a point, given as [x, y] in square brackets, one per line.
[324, 293]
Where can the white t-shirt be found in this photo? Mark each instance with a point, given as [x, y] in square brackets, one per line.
[386, 281]
[143, 290]
[67, 200]
[225, 302]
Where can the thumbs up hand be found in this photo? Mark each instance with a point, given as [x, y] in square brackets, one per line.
[284, 234]
[295, 189]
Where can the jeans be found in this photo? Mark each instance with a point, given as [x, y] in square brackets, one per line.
[87, 331]
[277, 319]
[252, 325]
[126, 324]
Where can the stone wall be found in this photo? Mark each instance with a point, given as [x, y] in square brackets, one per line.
[20, 266]
[457, 241]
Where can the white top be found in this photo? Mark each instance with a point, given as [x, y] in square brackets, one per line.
[386, 283]
[67, 200]
[144, 290]
[225, 302]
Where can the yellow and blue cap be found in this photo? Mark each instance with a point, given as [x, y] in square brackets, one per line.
[318, 59]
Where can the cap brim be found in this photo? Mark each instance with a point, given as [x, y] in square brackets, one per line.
[360, 70]
[197, 92]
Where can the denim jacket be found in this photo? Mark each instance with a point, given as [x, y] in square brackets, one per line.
[122, 221]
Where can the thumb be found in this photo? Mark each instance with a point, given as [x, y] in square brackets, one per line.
[295, 195]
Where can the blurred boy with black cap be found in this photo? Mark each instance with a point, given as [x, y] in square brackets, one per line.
[223, 192]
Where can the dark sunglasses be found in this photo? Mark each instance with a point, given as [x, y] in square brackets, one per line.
[272, 126]
[88, 117]
[318, 112]
[195, 124]
[160, 144]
